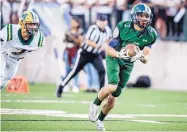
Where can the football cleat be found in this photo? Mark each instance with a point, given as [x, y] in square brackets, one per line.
[100, 126]
[92, 115]
[59, 91]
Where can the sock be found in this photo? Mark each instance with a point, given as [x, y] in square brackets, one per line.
[97, 101]
[101, 116]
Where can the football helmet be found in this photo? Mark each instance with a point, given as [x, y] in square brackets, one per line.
[29, 22]
[141, 9]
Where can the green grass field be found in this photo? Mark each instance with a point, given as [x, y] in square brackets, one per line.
[135, 110]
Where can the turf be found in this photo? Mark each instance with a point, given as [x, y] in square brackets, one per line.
[169, 109]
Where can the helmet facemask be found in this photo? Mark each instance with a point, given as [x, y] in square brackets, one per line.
[32, 28]
[143, 19]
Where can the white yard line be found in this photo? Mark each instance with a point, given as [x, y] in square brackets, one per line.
[157, 115]
[148, 121]
[58, 113]
[47, 101]
[151, 105]
[30, 112]
[54, 113]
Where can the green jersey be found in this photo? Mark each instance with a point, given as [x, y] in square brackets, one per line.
[126, 34]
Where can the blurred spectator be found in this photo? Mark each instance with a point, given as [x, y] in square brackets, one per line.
[73, 38]
[80, 11]
[66, 10]
[105, 7]
[89, 4]
[160, 12]
[14, 18]
[126, 14]
[171, 13]
[92, 75]
[184, 4]
[120, 6]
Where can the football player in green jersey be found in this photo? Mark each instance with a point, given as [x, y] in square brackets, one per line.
[119, 66]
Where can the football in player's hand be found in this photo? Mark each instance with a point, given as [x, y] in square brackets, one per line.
[131, 50]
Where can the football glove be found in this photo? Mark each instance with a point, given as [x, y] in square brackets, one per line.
[139, 56]
[123, 54]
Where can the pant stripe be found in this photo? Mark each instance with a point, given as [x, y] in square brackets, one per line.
[74, 68]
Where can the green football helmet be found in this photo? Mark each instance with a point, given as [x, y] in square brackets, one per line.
[141, 9]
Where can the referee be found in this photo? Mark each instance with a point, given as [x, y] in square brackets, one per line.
[95, 40]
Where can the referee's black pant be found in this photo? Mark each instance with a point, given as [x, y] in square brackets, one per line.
[84, 57]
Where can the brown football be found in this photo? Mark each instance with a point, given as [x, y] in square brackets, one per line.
[131, 50]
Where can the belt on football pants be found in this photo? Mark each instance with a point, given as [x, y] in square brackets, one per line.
[15, 57]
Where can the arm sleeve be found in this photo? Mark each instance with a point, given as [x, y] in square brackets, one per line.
[114, 43]
[150, 46]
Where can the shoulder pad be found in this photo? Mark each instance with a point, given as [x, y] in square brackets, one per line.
[153, 32]
[124, 24]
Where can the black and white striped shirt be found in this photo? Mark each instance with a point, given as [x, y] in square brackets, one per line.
[98, 36]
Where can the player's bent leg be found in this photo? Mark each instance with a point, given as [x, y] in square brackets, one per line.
[103, 93]
[9, 71]
[113, 70]
[4, 82]
[2, 70]
[109, 105]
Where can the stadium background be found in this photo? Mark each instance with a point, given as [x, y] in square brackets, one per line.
[165, 68]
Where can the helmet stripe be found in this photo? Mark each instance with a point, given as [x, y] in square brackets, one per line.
[32, 15]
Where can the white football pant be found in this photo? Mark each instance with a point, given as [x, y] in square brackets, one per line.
[9, 67]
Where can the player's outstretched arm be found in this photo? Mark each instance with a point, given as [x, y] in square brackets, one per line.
[145, 54]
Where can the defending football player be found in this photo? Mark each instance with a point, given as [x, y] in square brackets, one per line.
[137, 32]
[16, 41]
